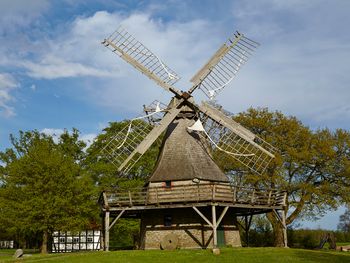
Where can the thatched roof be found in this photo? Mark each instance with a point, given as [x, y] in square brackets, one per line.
[183, 156]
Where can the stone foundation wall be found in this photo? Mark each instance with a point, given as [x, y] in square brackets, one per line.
[190, 229]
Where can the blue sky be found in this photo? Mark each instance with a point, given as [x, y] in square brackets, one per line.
[55, 74]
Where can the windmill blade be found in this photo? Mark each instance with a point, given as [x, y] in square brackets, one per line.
[232, 138]
[125, 153]
[223, 66]
[155, 112]
[125, 141]
[132, 51]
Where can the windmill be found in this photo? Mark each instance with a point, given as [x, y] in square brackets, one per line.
[223, 132]
[185, 166]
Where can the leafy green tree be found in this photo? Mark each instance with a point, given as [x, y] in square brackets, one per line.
[312, 166]
[44, 187]
[344, 221]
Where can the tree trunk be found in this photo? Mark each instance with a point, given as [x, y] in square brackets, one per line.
[44, 244]
[277, 230]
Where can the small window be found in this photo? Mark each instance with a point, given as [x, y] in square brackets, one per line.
[167, 184]
[89, 239]
[167, 220]
[62, 239]
[75, 240]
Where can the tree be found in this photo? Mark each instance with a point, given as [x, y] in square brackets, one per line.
[312, 166]
[44, 186]
[344, 222]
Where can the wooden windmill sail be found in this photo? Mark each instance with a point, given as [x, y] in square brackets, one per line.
[223, 133]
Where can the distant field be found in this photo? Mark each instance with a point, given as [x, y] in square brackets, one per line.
[242, 255]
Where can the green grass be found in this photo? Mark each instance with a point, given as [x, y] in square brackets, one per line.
[241, 255]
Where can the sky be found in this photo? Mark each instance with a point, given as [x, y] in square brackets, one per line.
[55, 74]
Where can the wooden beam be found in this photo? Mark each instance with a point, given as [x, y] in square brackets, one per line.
[222, 215]
[154, 134]
[215, 234]
[278, 217]
[106, 224]
[105, 200]
[248, 223]
[205, 70]
[202, 216]
[116, 219]
[285, 239]
[235, 127]
[142, 68]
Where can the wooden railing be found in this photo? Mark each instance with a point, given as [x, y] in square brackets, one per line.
[215, 192]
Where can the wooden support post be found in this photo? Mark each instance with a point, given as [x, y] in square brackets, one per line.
[214, 224]
[202, 216]
[183, 194]
[246, 230]
[106, 225]
[248, 223]
[213, 192]
[116, 219]
[222, 215]
[269, 198]
[157, 195]
[130, 199]
[285, 198]
[285, 240]
[252, 200]
[198, 193]
[234, 194]
[215, 236]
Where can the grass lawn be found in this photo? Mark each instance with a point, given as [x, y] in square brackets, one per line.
[242, 255]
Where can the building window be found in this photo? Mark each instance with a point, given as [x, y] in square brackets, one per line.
[90, 239]
[75, 240]
[167, 184]
[167, 220]
[62, 239]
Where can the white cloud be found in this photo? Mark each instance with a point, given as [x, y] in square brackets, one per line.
[19, 13]
[301, 67]
[55, 67]
[7, 85]
[182, 46]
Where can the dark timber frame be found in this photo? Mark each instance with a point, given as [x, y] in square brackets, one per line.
[84, 240]
[245, 202]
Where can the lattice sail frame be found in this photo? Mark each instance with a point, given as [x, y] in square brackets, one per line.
[155, 117]
[254, 154]
[211, 79]
[132, 51]
[223, 66]
[124, 142]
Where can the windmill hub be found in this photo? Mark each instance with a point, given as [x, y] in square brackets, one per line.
[185, 95]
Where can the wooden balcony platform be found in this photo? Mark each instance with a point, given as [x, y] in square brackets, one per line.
[180, 196]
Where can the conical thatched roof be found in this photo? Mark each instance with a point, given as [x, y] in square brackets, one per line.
[184, 157]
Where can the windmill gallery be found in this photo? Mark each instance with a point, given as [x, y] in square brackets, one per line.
[188, 202]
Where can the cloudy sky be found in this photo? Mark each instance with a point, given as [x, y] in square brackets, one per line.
[55, 74]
